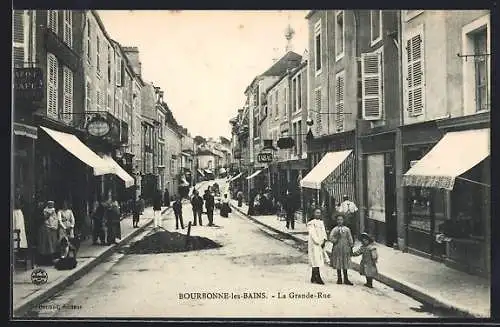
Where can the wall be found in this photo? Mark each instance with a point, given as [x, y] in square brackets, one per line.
[206, 161]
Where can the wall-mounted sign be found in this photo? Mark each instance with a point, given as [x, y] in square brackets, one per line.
[25, 130]
[28, 84]
[265, 157]
[98, 127]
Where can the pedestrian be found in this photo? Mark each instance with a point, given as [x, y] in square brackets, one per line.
[157, 201]
[369, 257]
[342, 241]
[47, 236]
[350, 212]
[197, 204]
[67, 256]
[112, 220]
[290, 207]
[166, 198]
[225, 209]
[209, 205]
[136, 212]
[239, 197]
[315, 245]
[177, 206]
[98, 232]
[66, 220]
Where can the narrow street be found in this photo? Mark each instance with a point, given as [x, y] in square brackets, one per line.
[270, 276]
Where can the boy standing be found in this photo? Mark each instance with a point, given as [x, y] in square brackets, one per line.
[177, 206]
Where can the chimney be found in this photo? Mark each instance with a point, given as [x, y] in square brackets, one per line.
[160, 96]
[132, 54]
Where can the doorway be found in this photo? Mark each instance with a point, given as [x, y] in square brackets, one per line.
[391, 217]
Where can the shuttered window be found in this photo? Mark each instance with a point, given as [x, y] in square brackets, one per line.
[89, 38]
[317, 106]
[108, 100]
[415, 97]
[339, 101]
[285, 102]
[118, 71]
[276, 104]
[98, 98]
[68, 28]
[52, 74]
[52, 20]
[98, 55]
[18, 38]
[88, 97]
[68, 95]
[371, 68]
[317, 46]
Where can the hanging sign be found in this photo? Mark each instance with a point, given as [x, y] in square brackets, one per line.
[265, 157]
[98, 127]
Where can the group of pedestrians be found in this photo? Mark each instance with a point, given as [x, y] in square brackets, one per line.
[106, 217]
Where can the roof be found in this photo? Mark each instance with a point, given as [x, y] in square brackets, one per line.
[300, 67]
[310, 13]
[280, 67]
[290, 73]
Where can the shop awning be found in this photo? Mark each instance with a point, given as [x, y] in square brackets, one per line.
[119, 171]
[254, 174]
[208, 171]
[201, 172]
[325, 167]
[77, 148]
[453, 155]
[235, 177]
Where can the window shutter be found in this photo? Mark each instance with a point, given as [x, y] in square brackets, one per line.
[118, 71]
[88, 96]
[415, 98]
[339, 102]
[371, 85]
[68, 28]
[317, 99]
[52, 22]
[18, 38]
[52, 68]
[68, 94]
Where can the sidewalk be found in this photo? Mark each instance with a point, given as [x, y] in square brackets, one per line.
[25, 294]
[426, 280]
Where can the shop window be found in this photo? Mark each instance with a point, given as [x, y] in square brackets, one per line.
[420, 202]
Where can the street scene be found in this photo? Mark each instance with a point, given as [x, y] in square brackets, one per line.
[292, 164]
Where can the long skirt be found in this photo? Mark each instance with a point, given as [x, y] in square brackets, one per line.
[47, 241]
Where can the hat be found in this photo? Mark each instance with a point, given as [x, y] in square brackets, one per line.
[366, 236]
[50, 202]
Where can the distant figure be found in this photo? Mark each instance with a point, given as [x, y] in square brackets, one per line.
[67, 258]
[225, 209]
[177, 206]
[98, 232]
[209, 205]
[66, 222]
[48, 233]
[197, 204]
[137, 211]
[239, 197]
[113, 216]
[290, 207]
[166, 198]
[369, 257]
[157, 201]
[350, 212]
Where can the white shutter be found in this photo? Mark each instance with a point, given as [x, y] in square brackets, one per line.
[68, 28]
[339, 101]
[68, 95]
[415, 97]
[52, 79]
[18, 38]
[317, 99]
[371, 70]
[118, 71]
[52, 20]
[88, 97]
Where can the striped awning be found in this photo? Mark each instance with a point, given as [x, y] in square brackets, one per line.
[325, 168]
[254, 174]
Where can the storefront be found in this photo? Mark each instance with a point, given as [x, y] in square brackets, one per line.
[448, 199]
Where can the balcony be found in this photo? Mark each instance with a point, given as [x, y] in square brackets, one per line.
[110, 128]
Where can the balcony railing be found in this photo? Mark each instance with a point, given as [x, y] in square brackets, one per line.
[118, 129]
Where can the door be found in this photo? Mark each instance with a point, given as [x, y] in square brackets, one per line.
[390, 201]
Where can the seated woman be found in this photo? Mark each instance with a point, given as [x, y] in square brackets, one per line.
[67, 259]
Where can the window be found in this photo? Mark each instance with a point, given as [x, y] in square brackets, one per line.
[98, 53]
[339, 35]
[317, 106]
[68, 95]
[52, 21]
[295, 136]
[109, 64]
[299, 137]
[285, 101]
[339, 101]
[88, 97]
[276, 104]
[118, 71]
[52, 87]
[294, 94]
[371, 81]
[299, 92]
[317, 47]
[376, 26]
[481, 66]
[19, 34]
[89, 46]
[172, 166]
[68, 28]
[415, 98]
[108, 100]
[270, 104]
[160, 154]
[98, 99]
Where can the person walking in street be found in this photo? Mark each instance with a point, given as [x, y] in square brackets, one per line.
[66, 222]
[197, 204]
[350, 212]
[47, 236]
[239, 197]
[98, 232]
[112, 220]
[137, 211]
[225, 209]
[177, 206]
[290, 207]
[342, 241]
[315, 245]
[166, 198]
[209, 205]
[157, 201]
[369, 257]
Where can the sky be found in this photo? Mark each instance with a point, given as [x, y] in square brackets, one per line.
[204, 60]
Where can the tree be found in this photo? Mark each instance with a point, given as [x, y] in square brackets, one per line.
[198, 140]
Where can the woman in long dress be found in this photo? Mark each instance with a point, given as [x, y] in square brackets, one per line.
[341, 237]
[113, 221]
[225, 208]
[47, 236]
[315, 245]
[66, 222]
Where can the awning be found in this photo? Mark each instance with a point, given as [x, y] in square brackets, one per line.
[119, 171]
[453, 155]
[325, 167]
[76, 147]
[208, 171]
[254, 174]
[185, 154]
[235, 177]
[201, 172]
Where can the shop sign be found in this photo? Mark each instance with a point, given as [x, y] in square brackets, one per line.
[25, 130]
[265, 157]
[98, 127]
[28, 83]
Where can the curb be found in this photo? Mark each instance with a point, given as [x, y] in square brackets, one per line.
[404, 287]
[26, 307]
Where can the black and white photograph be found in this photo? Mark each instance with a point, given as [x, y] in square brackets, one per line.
[218, 164]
